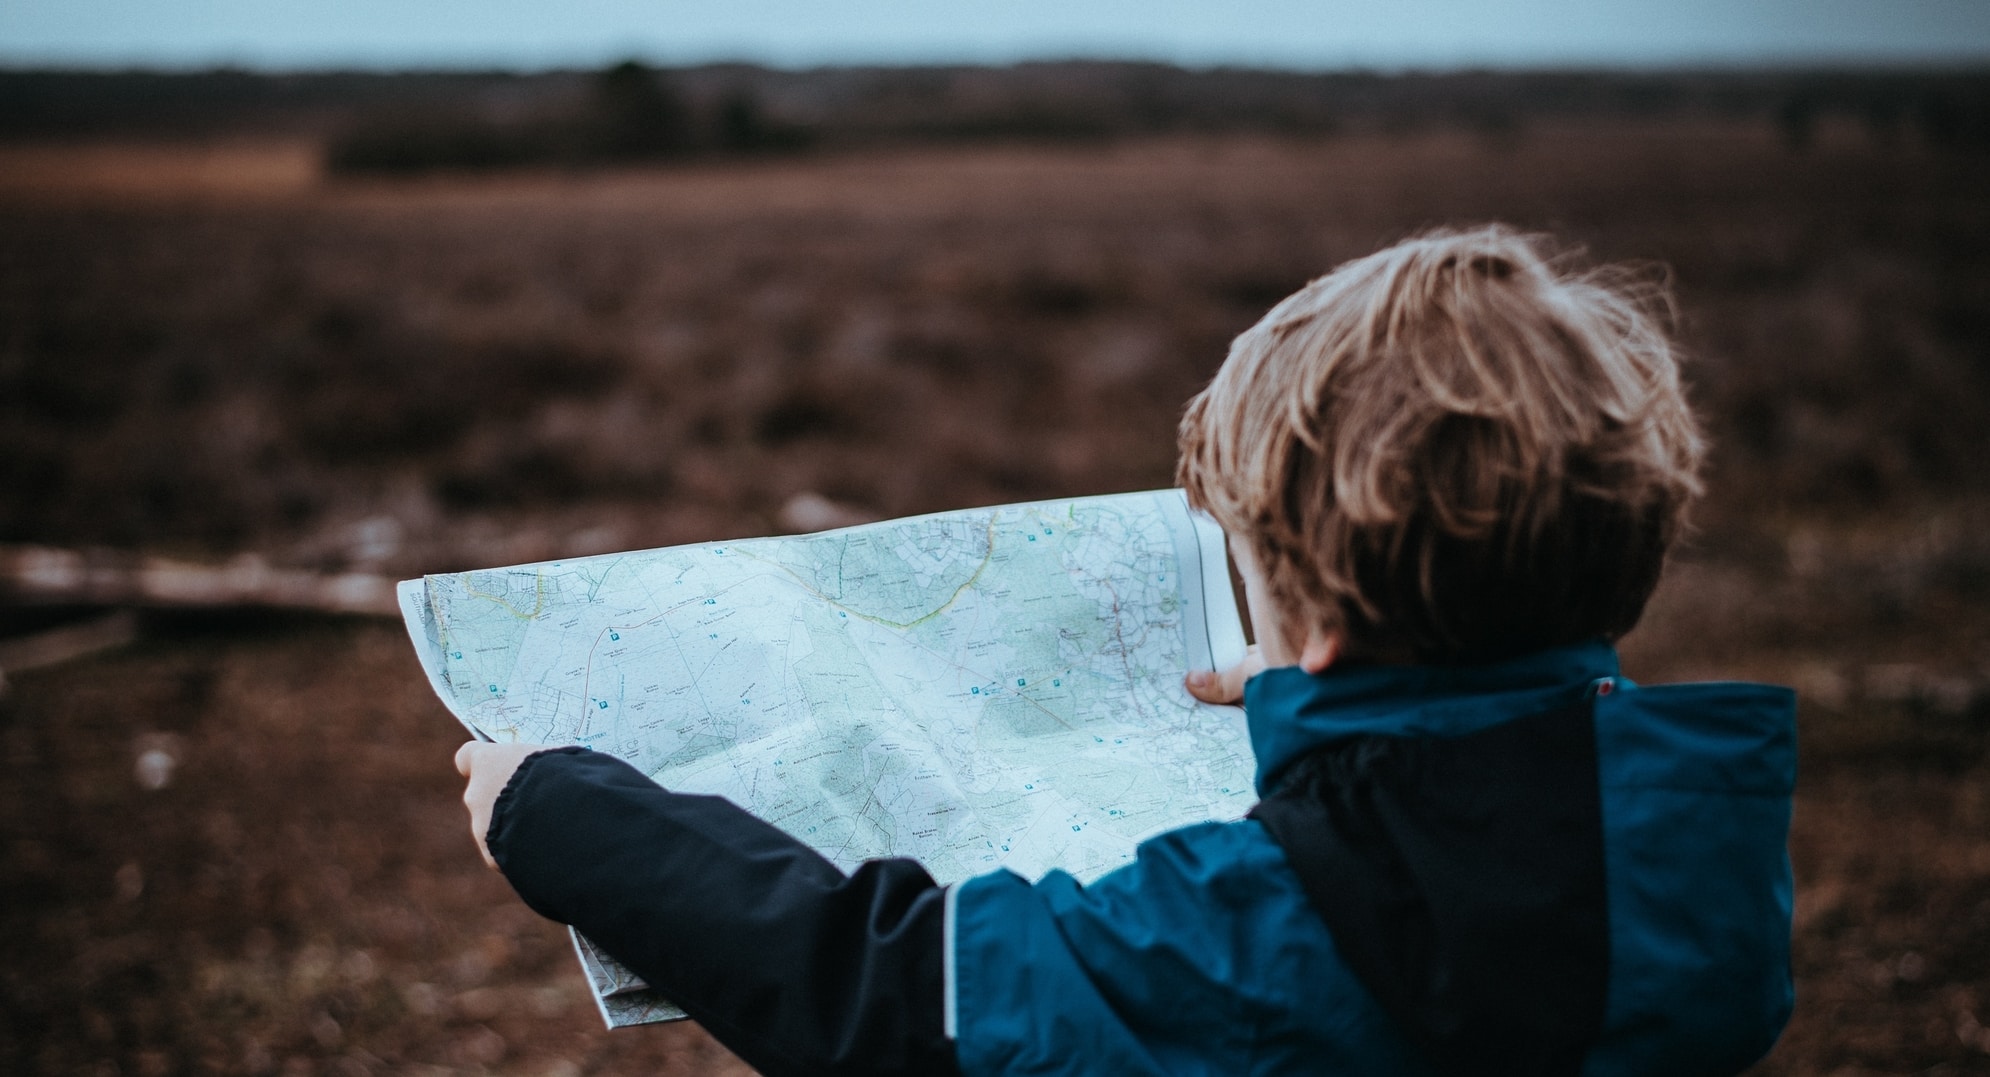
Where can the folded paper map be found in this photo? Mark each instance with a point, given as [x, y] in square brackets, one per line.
[994, 687]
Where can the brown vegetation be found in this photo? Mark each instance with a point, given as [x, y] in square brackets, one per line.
[235, 847]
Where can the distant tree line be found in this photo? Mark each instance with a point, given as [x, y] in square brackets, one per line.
[630, 112]
[626, 113]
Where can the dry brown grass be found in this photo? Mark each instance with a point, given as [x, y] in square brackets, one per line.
[141, 173]
[450, 372]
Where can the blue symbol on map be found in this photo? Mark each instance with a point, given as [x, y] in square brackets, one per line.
[614, 635]
[602, 703]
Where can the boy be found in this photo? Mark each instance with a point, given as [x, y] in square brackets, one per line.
[1450, 472]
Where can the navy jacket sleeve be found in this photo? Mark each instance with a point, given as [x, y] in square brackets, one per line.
[794, 966]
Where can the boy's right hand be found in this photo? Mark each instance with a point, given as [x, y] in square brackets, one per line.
[488, 768]
[1226, 685]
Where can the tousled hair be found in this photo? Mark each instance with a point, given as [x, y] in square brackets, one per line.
[1459, 447]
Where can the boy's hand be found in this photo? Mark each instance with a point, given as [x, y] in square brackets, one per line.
[489, 767]
[1225, 686]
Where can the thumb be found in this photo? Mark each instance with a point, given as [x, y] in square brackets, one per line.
[1226, 685]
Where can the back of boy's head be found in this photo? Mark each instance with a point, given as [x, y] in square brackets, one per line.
[1455, 449]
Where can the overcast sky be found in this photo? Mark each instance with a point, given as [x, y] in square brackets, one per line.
[1282, 33]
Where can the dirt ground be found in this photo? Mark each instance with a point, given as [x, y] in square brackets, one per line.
[235, 845]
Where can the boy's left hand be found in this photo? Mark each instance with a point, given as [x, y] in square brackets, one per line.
[489, 768]
[1225, 685]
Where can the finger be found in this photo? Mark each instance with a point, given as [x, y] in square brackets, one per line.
[1227, 685]
[1250, 666]
[1218, 686]
[464, 755]
[1205, 685]
[1232, 681]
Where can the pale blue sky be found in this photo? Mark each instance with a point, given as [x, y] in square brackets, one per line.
[1280, 33]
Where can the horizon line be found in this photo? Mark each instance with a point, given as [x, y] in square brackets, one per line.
[1956, 63]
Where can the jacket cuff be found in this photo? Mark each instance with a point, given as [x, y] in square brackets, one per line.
[795, 966]
[519, 789]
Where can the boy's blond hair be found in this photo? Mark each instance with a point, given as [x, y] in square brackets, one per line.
[1455, 448]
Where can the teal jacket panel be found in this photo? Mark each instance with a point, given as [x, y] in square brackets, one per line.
[1203, 956]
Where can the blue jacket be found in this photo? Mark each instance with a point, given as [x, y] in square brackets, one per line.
[1212, 952]
[1204, 956]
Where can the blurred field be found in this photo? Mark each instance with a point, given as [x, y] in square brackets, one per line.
[156, 172]
[205, 355]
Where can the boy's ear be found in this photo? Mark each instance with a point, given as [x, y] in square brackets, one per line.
[1322, 649]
